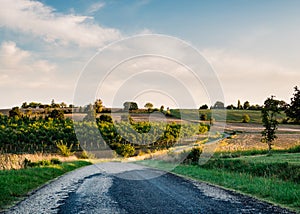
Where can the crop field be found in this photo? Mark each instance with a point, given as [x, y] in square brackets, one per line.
[232, 116]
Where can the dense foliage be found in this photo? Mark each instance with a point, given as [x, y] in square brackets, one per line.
[24, 134]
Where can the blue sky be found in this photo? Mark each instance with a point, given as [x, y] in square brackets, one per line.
[253, 46]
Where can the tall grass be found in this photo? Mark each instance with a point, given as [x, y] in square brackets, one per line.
[15, 184]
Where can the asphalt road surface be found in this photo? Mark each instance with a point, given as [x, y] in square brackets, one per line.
[129, 188]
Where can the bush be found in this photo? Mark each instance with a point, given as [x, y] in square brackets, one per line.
[106, 118]
[55, 161]
[28, 163]
[125, 150]
[86, 155]
[246, 118]
[193, 156]
[203, 129]
[64, 150]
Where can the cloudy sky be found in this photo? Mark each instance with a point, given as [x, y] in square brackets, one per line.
[252, 46]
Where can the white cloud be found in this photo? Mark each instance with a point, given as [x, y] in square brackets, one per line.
[21, 67]
[251, 78]
[40, 20]
[95, 7]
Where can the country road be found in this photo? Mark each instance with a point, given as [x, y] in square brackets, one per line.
[116, 187]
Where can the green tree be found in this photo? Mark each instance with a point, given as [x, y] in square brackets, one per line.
[130, 106]
[246, 105]
[239, 106]
[293, 109]
[98, 105]
[269, 112]
[15, 112]
[91, 113]
[162, 108]
[149, 106]
[24, 105]
[204, 106]
[63, 105]
[106, 118]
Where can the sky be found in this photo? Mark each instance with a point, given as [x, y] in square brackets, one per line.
[172, 53]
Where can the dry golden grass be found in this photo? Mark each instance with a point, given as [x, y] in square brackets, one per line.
[16, 161]
[242, 142]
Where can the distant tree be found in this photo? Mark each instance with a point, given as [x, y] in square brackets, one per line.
[246, 105]
[52, 103]
[71, 106]
[230, 107]
[255, 107]
[63, 105]
[168, 112]
[15, 112]
[149, 106]
[204, 106]
[239, 106]
[269, 112]
[98, 105]
[24, 105]
[293, 109]
[57, 114]
[162, 108]
[246, 118]
[91, 113]
[130, 106]
[218, 105]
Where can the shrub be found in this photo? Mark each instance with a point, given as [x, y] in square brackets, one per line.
[203, 129]
[86, 155]
[64, 150]
[125, 150]
[193, 156]
[246, 118]
[106, 118]
[55, 161]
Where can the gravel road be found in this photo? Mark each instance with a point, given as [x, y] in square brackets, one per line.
[116, 187]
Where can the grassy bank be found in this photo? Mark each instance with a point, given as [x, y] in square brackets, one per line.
[15, 184]
[260, 176]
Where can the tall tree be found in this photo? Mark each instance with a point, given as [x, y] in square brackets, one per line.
[269, 112]
[162, 108]
[239, 106]
[246, 105]
[293, 109]
[98, 105]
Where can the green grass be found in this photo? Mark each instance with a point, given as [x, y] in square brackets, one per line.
[232, 116]
[284, 193]
[293, 158]
[15, 184]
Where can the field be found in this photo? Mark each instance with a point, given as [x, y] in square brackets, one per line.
[232, 116]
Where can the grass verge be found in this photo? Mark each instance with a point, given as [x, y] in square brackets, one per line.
[15, 184]
[284, 193]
